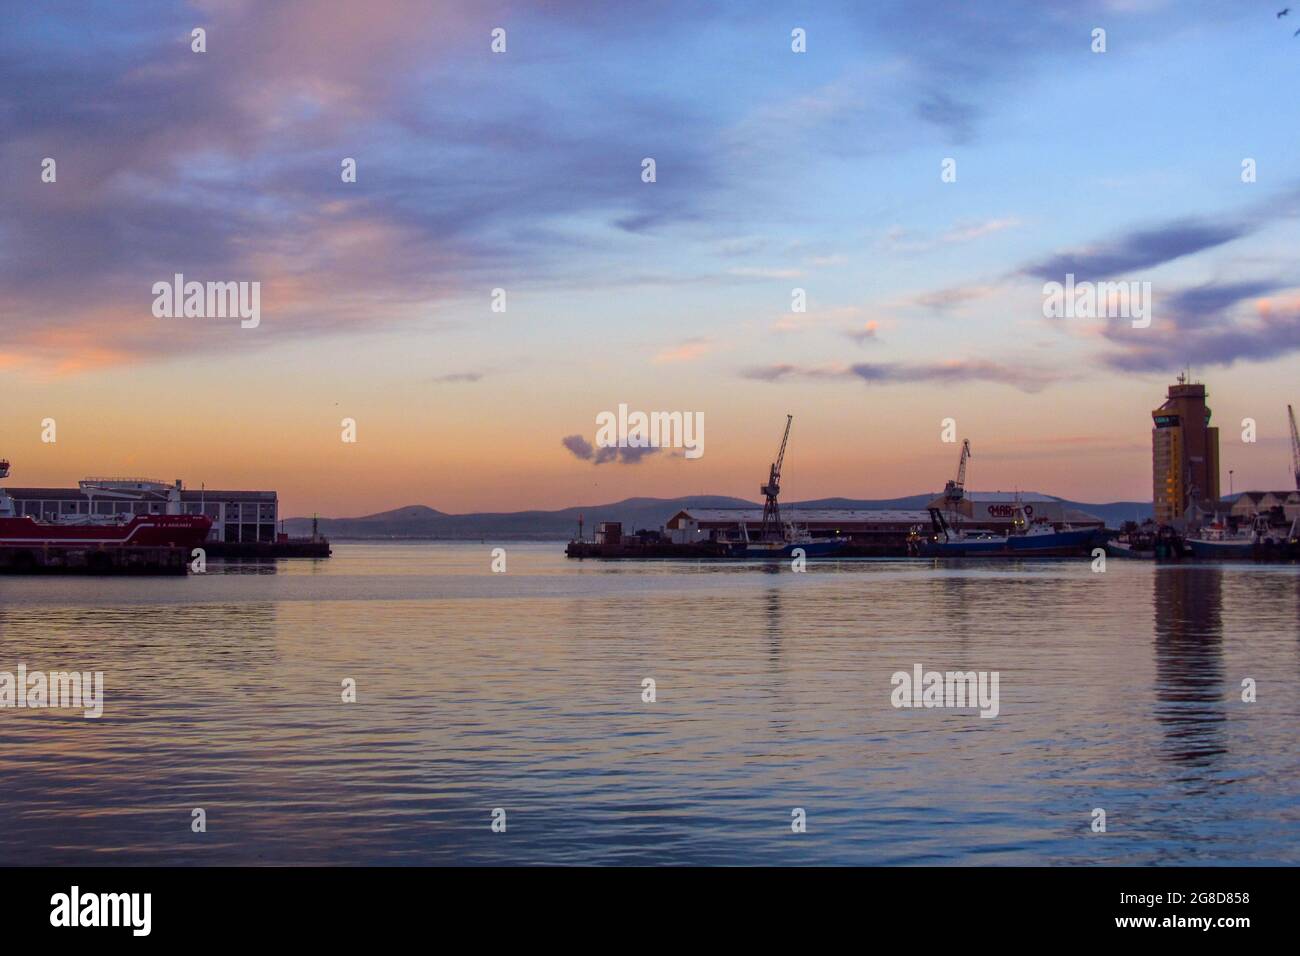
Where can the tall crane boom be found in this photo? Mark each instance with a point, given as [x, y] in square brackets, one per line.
[1295, 447]
[771, 510]
[954, 491]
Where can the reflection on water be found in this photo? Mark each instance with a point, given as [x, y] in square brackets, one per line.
[773, 622]
[1190, 682]
[245, 566]
[523, 690]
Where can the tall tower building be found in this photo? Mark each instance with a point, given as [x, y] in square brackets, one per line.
[1184, 453]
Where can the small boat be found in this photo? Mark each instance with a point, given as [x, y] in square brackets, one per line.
[1126, 549]
[1146, 542]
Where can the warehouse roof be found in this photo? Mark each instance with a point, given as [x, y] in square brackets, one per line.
[1008, 496]
[1257, 496]
[805, 515]
[65, 494]
[44, 492]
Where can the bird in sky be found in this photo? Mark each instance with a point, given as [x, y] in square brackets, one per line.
[1283, 12]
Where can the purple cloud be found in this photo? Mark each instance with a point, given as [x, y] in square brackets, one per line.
[1209, 325]
[1203, 305]
[1142, 249]
[226, 165]
[583, 449]
[1026, 379]
[633, 456]
[579, 446]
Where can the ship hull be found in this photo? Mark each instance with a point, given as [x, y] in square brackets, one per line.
[1122, 549]
[1271, 548]
[142, 531]
[1058, 544]
[962, 549]
[811, 549]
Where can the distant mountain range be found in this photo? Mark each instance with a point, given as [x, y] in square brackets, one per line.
[421, 522]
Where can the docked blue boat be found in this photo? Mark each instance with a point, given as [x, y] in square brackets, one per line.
[778, 550]
[1025, 540]
[1259, 542]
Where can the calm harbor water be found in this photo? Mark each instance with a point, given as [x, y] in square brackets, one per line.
[523, 691]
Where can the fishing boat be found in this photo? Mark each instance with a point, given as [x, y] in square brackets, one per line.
[1025, 539]
[792, 538]
[1259, 541]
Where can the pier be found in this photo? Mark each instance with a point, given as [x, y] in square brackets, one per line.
[633, 548]
[315, 547]
[65, 559]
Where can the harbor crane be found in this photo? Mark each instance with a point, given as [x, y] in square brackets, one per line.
[771, 510]
[954, 491]
[1295, 447]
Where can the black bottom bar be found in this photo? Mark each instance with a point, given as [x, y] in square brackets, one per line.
[373, 905]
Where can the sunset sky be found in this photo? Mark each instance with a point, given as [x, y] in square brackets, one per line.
[522, 170]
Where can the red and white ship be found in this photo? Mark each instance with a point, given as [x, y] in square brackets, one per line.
[170, 530]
